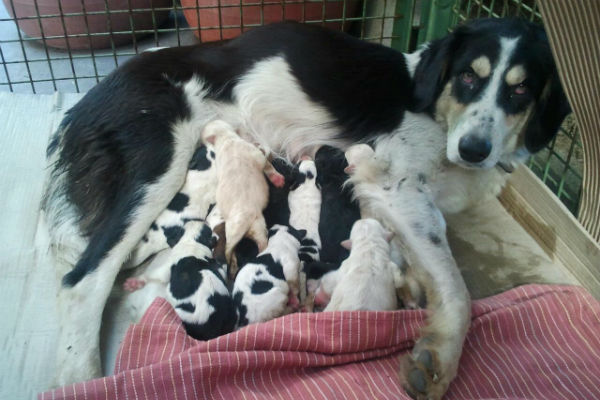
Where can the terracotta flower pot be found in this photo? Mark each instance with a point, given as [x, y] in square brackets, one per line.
[251, 15]
[76, 25]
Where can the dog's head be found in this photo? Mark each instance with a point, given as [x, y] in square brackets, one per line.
[492, 84]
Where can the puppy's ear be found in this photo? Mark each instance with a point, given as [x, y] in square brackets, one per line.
[388, 236]
[433, 69]
[551, 109]
[210, 139]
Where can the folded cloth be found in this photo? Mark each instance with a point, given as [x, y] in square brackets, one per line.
[532, 342]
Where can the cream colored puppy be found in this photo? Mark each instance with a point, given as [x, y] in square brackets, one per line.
[366, 279]
[242, 192]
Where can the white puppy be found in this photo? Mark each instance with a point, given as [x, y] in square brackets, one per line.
[367, 279]
[242, 192]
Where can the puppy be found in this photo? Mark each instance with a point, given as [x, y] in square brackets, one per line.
[191, 202]
[265, 287]
[242, 192]
[278, 209]
[339, 210]
[305, 208]
[367, 279]
[194, 282]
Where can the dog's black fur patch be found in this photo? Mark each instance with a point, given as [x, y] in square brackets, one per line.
[316, 269]
[179, 202]
[245, 251]
[278, 209]
[260, 287]
[242, 310]
[186, 277]
[173, 234]
[200, 160]
[205, 237]
[275, 269]
[189, 307]
[220, 321]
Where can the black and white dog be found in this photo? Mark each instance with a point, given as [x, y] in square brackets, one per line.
[446, 116]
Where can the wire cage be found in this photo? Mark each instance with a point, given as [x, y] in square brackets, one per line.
[48, 45]
[69, 45]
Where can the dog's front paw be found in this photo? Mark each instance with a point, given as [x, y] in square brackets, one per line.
[422, 375]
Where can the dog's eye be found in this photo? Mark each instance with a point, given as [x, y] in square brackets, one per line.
[520, 89]
[468, 77]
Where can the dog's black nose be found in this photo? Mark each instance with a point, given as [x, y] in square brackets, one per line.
[473, 148]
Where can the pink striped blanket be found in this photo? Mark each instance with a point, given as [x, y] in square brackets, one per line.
[532, 342]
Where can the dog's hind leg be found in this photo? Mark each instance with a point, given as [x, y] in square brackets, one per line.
[258, 233]
[86, 287]
[428, 370]
[236, 227]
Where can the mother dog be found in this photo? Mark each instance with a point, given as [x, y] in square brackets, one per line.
[122, 152]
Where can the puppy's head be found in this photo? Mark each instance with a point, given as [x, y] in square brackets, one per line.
[492, 84]
[356, 155]
[216, 130]
[306, 171]
[366, 229]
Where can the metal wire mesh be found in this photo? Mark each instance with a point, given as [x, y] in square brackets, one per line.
[560, 165]
[49, 45]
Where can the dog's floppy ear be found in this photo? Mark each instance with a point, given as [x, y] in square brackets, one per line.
[551, 109]
[433, 69]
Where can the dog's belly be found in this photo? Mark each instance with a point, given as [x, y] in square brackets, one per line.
[270, 108]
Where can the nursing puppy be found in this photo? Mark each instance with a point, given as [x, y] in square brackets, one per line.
[194, 283]
[305, 208]
[339, 210]
[277, 211]
[191, 202]
[266, 288]
[366, 279]
[242, 192]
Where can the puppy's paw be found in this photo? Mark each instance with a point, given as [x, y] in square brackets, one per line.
[277, 180]
[133, 284]
[293, 302]
[421, 374]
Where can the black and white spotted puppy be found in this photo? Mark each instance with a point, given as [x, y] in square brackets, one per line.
[195, 283]
[191, 202]
[304, 202]
[339, 210]
[264, 288]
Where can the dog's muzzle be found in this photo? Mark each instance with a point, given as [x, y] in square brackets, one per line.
[474, 149]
